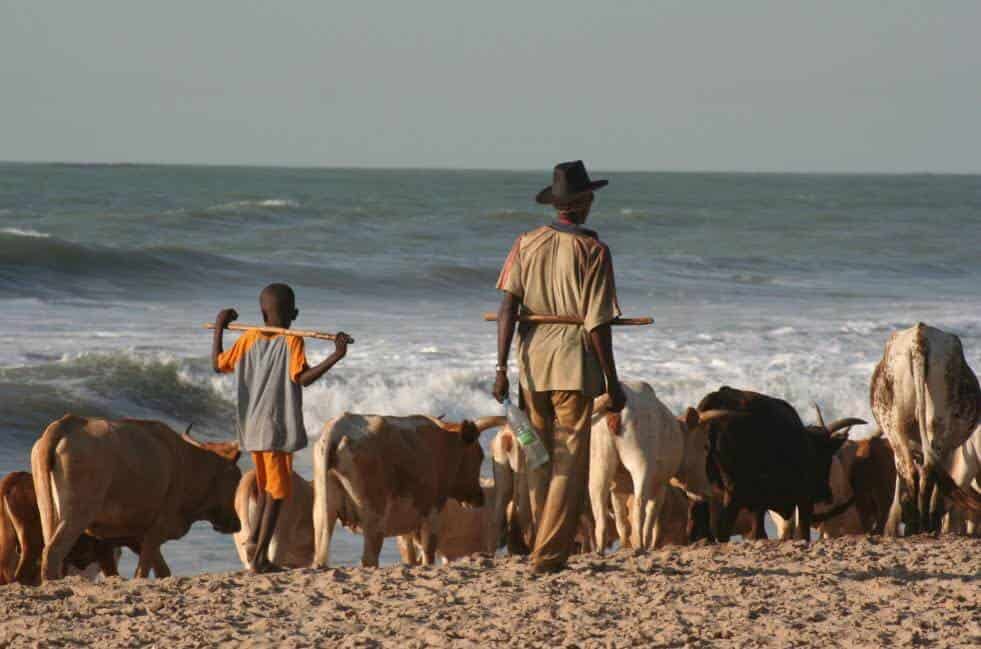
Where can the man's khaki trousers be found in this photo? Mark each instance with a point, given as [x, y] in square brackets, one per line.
[558, 489]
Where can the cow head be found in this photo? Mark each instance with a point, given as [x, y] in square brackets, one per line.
[219, 506]
[693, 477]
[826, 440]
[465, 484]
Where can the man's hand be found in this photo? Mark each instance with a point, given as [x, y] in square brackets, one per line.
[340, 345]
[617, 398]
[224, 317]
[502, 387]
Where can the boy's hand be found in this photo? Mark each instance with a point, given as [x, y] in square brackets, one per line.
[340, 344]
[224, 317]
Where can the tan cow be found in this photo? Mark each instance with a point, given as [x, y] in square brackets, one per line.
[22, 541]
[388, 476]
[463, 531]
[131, 479]
[291, 545]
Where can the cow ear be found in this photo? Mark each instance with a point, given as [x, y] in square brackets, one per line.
[469, 432]
[864, 449]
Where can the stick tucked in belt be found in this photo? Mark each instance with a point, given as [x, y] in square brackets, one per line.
[570, 320]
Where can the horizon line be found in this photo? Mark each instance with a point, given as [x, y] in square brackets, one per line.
[373, 167]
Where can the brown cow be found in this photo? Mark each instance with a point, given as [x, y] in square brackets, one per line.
[388, 476]
[22, 542]
[129, 479]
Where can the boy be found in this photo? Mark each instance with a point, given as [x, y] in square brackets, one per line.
[271, 370]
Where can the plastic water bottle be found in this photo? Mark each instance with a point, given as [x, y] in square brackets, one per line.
[535, 453]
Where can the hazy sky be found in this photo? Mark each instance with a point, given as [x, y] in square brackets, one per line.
[857, 85]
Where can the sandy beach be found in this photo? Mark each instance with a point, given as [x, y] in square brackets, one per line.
[849, 592]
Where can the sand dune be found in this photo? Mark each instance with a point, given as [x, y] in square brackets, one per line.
[851, 592]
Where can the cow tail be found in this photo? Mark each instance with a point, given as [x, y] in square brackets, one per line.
[8, 541]
[837, 510]
[323, 460]
[918, 361]
[42, 463]
[965, 497]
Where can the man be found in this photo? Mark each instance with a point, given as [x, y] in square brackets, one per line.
[561, 269]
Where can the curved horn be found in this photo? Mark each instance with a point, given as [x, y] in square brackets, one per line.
[848, 422]
[817, 409]
[484, 423]
[713, 415]
[190, 440]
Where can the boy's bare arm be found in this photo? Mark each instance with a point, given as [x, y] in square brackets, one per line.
[224, 317]
[311, 374]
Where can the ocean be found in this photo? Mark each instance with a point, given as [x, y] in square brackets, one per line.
[786, 284]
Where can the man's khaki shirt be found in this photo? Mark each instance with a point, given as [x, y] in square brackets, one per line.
[561, 270]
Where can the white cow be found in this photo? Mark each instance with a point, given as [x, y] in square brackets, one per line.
[926, 400]
[656, 449]
[964, 467]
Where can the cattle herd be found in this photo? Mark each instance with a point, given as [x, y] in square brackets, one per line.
[714, 471]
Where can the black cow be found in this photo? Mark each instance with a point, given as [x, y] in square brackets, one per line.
[761, 456]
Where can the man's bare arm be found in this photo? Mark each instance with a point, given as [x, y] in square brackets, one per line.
[602, 340]
[507, 318]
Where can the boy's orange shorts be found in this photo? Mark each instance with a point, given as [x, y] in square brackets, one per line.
[274, 473]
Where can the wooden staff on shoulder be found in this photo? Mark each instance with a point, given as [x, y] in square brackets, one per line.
[570, 320]
[319, 335]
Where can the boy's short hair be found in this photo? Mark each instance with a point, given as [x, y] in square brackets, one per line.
[282, 294]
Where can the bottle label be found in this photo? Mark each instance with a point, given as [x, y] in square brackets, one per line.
[526, 436]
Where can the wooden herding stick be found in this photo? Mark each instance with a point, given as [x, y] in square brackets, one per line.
[571, 320]
[319, 335]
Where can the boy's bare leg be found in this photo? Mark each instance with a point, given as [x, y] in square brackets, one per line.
[270, 516]
[256, 523]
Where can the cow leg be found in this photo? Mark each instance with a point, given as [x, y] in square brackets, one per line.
[621, 518]
[727, 518]
[373, 539]
[895, 510]
[758, 530]
[503, 494]
[408, 549]
[108, 557]
[928, 483]
[700, 522]
[937, 508]
[31, 543]
[786, 525]
[599, 500]
[62, 541]
[805, 513]
[427, 537]
[327, 501]
[652, 535]
[151, 560]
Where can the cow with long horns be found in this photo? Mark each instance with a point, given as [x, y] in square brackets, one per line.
[761, 456]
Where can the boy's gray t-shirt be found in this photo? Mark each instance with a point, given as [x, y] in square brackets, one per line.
[270, 401]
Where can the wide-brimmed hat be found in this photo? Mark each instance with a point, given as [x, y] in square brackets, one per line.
[569, 181]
